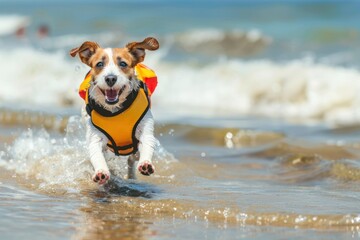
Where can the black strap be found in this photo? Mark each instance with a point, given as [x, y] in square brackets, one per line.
[92, 105]
[88, 109]
[117, 149]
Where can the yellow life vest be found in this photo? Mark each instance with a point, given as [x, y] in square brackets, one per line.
[120, 127]
[147, 76]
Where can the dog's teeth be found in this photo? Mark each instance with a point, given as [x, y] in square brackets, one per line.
[111, 95]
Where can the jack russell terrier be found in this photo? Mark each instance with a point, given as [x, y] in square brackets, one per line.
[117, 110]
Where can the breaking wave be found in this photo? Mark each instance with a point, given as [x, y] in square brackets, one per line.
[9, 24]
[297, 90]
[235, 43]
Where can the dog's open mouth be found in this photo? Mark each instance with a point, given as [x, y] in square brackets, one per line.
[112, 95]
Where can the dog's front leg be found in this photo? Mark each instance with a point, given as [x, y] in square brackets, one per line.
[131, 166]
[96, 144]
[145, 132]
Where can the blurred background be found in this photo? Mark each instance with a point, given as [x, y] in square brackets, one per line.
[292, 60]
[257, 115]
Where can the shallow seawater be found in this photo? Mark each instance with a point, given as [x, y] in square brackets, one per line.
[257, 117]
[216, 178]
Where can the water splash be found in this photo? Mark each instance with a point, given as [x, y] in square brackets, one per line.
[52, 162]
[60, 162]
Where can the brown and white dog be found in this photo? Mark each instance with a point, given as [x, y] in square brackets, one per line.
[113, 79]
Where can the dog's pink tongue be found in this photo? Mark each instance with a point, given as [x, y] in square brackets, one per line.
[111, 95]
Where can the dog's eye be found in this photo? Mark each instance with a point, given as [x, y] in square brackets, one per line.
[122, 64]
[100, 64]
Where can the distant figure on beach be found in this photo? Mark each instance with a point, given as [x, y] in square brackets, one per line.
[43, 31]
[20, 32]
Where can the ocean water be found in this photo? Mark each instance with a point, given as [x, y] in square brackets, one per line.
[257, 121]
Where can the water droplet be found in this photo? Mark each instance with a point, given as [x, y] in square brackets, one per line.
[229, 140]
[229, 135]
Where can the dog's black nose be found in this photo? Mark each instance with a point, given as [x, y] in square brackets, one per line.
[110, 80]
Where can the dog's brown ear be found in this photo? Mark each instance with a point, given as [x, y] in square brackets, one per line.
[85, 51]
[137, 49]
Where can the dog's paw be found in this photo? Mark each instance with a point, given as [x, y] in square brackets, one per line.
[101, 176]
[146, 168]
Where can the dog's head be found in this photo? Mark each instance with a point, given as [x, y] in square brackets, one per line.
[112, 69]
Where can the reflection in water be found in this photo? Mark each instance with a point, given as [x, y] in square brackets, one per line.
[103, 218]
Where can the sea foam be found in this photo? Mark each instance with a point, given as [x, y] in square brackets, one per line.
[298, 90]
[10, 23]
